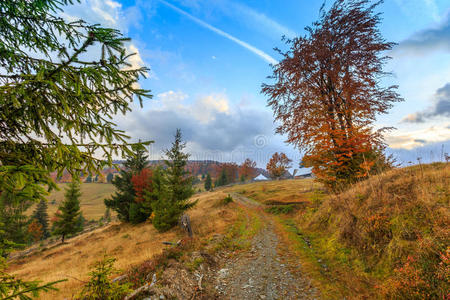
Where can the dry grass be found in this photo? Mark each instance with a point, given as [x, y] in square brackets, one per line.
[91, 199]
[391, 230]
[278, 192]
[131, 245]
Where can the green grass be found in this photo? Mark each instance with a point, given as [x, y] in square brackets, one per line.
[330, 264]
[280, 209]
[239, 235]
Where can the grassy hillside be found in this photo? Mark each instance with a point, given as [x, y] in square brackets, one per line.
[131, 245]
[92, 197]
[385, 237]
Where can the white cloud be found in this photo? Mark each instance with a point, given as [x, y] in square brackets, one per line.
[102, 12]
[213, 127]
[410, 139]
[204, 109]
[108, 13]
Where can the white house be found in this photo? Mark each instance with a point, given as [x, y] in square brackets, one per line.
[260, 177]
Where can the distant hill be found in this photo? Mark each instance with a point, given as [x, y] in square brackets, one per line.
[196, 167]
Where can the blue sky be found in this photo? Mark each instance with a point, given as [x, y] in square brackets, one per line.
[208, 59]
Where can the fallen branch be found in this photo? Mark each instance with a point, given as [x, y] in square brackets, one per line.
[172, 244]
[200, 283]
[75, 278]
[143, 288]
[120, 278]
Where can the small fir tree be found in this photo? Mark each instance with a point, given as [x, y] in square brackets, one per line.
[223, 180]
[41, 216]
[109, 177]
[68, 213]
[100, 285]
[208, 182]
[167, 210]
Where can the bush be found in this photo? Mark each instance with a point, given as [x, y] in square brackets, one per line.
[100, 286]
[227, 199]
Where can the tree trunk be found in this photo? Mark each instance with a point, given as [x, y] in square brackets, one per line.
[62, 238]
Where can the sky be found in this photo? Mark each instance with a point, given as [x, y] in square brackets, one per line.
[208, 59]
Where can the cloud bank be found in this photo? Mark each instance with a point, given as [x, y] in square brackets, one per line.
[213, 127]
[427, 40]
[440, 108]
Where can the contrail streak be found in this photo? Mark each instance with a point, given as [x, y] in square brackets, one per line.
[255, 50]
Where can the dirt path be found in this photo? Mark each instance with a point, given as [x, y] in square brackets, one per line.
[262, 272]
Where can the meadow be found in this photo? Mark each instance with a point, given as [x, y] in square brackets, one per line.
[91, 200]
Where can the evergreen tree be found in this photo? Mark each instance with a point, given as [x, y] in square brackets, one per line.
[12, 216]
[168, 209]
[41, 216]
[46, 84]
[88, 179]
[208, 182]
[222, 180]
[69, 211]
[124, 199]
[80, 223]
[109, 177]
[158, 192]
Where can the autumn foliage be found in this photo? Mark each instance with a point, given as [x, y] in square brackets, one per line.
[327, 93]
[247, 170]
[278, 165]
[142, 182]
[35, 230]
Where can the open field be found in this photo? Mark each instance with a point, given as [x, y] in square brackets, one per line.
[91, 199]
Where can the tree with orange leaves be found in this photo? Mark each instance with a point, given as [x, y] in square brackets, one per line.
[35, 230]
[142, 182]
[247, 170]
[327, 93]
[278, 165]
